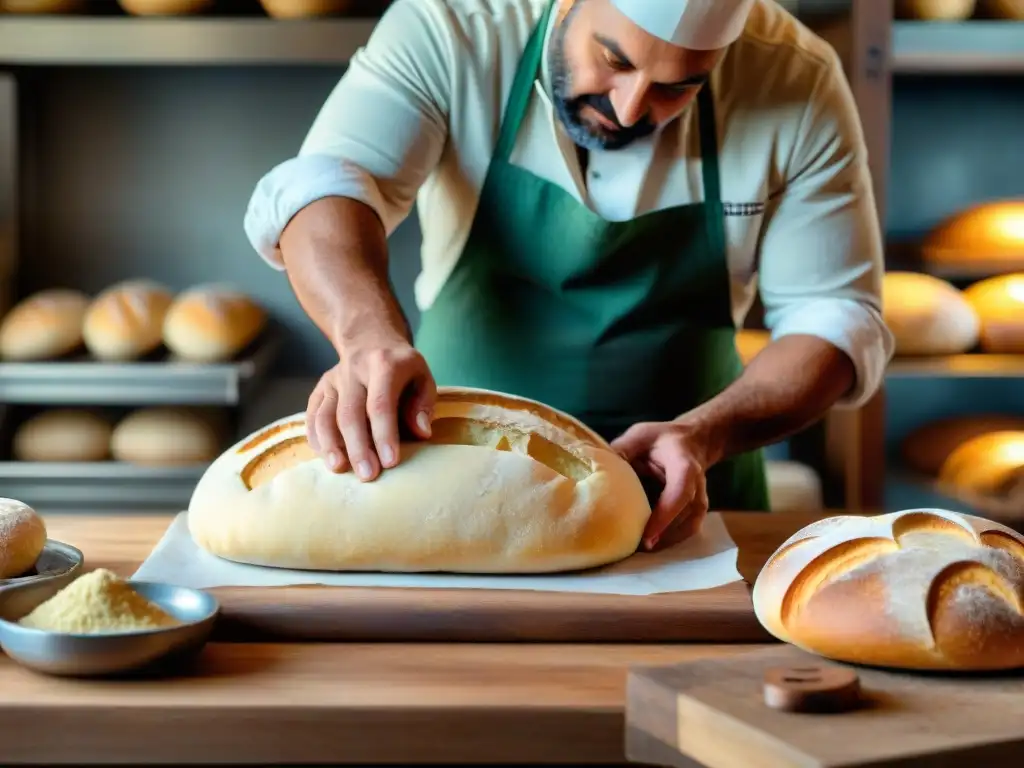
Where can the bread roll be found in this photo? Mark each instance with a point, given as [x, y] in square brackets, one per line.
[928, 316]
[999, 304]
[211, 323]
[505, 485]
[926, 448]
[166, 437]
[165, 7]
[297, 9]
[987, 236]
[916, 589]
[43, 326]
[934, 10]
[22, 538]
[126, 321]
[793, 487]
[988, 466]
[63, 434]
[750, 342]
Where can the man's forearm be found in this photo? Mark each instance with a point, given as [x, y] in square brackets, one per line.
[336, 255]
[789, 386]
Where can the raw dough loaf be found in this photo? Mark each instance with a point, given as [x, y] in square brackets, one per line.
[166, 437]
[505, 485]
[926, 448]
[921, 588]
[43, 326]
[988, 236]
[22, 538]
[793, 487]
[208, 324]
[126, 321]
[63, 434]
[928, 316]
[999, 303]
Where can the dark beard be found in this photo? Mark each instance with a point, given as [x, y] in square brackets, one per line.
[569, 109]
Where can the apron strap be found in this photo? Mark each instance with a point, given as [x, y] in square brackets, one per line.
[522, 87]
[708, 144]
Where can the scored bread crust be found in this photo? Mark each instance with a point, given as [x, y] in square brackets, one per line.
[504, 485]
[211, 323]
[918, 589]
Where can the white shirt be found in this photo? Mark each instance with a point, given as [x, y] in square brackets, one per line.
[415, 119]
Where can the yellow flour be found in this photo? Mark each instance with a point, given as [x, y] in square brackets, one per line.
[95, 603]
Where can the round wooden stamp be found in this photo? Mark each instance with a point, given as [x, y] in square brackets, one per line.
[811, 688]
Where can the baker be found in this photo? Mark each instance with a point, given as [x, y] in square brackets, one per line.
[602, 186]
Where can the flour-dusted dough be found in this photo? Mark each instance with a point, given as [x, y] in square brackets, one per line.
[505, 485]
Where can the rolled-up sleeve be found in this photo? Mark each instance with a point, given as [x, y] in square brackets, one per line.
[821, 256]
[379, 134]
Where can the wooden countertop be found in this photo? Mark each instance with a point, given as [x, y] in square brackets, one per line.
[308, 702]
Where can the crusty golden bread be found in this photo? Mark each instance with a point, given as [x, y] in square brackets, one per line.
[750, 342]
[505, 485]
[63, 434]
[297, 9]
[988, 466]
[211, 323]
[926, 448]
[989, 234]
[43, 326]
[927, 316]
[165, 7]
[126, 320]
[916, 589]
[999, 303]
[166, 436]
[22, 538]
[934, 10]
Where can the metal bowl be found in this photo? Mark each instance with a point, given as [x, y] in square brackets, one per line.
[113, 653]
[58, 562]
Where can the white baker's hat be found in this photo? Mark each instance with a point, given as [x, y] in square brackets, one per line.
[702, 25]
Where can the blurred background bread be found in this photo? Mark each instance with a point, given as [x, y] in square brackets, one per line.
[125, 322]
[212, 323]
[793, 487]
[926, 448]
[999, 303]
[934, 10]
[927, 315]
[167, 436]
[42, 6]
[43, 326]
[989, 234]
[750, 342]
[166, 7]
[63, 434]
[988, 470]
[297, 9]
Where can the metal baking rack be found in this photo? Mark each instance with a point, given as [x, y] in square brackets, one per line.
[85, 381]
[106, 485]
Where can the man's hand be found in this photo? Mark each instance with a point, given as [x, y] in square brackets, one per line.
[353, 415]
[674, 455]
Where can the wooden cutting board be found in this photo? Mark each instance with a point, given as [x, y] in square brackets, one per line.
[713, 713]
[318, 613]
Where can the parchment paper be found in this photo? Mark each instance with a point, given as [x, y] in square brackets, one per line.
[704, 561]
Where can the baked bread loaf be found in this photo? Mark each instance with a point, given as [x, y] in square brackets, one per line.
[297, 9]
[999, 304]
[43, 326]
[988, 472]
[22, 538]
[927, 316]
[505, 485]
[934, 10]
[989, 236]
[208, 324]
[750, 342]
[793, 487]
[926, 448]
[126, 321]
[63, 434]
[165, 7]
[917, 589]
[166, 436]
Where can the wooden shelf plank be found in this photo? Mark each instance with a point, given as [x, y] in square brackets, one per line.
[226, 41]
[974, 366]
[970, 47]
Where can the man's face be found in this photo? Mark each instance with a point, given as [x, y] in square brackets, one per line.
[614, 83]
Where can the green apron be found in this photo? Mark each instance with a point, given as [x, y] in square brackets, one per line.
[613, 322]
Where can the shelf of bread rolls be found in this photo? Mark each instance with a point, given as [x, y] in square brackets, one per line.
[135, 458]
[135, 343]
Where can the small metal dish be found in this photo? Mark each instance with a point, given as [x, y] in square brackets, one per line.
[90, 655]
[58, 561]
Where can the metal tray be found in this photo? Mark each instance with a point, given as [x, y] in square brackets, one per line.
[58, 561]
[106, 485]
[85, 381]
